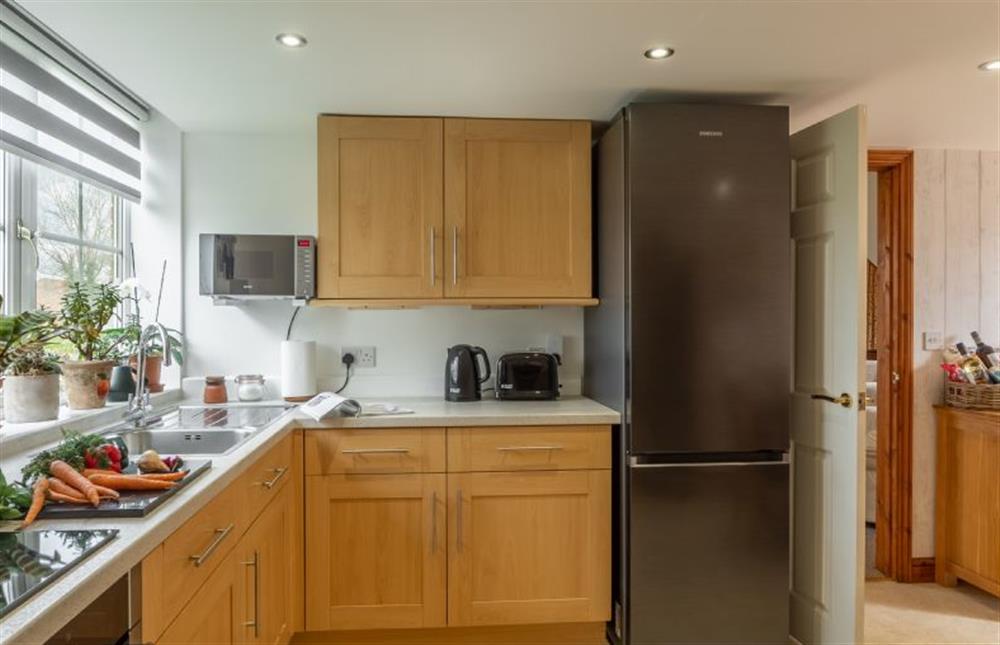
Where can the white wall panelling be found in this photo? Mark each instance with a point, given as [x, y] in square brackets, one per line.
[956, 281]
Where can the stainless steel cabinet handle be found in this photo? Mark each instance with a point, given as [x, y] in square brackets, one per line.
[220, 535]
[279, 473]
[376, 451]
[434, 524]
[527, 448]
[458, 520]
[454, 255]
[255, 623]
[433, 258]
[844, 400]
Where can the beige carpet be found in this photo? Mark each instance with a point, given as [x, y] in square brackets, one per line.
[929, 613]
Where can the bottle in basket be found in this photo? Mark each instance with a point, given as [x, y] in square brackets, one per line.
[972, 366]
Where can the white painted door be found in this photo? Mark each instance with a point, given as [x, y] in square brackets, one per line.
[828, 227]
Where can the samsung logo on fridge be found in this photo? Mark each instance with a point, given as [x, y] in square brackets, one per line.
[710, 133]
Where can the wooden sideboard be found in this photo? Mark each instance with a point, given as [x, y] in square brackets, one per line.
[967, 516]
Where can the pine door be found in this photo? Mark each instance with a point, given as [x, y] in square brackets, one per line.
[380, 207]
[517, 208]
[214, 615]
[375, 548]
[266, 565]
[529, 547]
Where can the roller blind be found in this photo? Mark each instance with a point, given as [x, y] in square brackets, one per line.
[59, 109]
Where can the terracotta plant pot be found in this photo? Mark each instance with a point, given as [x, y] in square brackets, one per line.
[29, 399]
[152, 369]
[87, 383]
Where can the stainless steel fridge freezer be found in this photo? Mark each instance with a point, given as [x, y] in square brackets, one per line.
[691, 343]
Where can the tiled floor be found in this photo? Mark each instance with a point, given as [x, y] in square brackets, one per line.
[929, 613]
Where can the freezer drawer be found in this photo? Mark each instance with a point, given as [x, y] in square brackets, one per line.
[708, 553]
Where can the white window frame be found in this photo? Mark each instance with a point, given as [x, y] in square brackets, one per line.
[20, 255]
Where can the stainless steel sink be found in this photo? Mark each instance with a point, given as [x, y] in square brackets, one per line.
[199, 430]
[185, 442]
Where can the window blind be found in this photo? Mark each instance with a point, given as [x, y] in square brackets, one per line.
[59, 109]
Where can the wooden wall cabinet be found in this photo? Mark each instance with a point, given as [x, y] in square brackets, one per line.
[446, 211]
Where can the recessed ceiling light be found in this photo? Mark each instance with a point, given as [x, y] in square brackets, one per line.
[658, 53]
[990, 65]
[291, 40]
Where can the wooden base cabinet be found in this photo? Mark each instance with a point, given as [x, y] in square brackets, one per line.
[214, 616]
[268, 575]
[375, 551]
[529, 547]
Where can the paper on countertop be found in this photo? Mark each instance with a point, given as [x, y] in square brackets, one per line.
[325, 404]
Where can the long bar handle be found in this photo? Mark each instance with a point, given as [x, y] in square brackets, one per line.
[458, 520]
[376, 451]
[255, 623]
[634, 463]
[454, 255]
[220, 535]
[279, 473]
[528, 448]
[433, 256]
[434, 524]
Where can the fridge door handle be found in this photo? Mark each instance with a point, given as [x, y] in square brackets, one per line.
[634, 462]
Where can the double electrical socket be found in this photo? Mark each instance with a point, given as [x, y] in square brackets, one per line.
[364, 355]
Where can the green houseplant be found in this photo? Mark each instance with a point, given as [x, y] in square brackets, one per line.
[84, 314]
[31, 390]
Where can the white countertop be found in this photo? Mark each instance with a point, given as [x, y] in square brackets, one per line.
[46, 612]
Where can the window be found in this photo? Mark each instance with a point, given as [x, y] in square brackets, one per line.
[80, 233]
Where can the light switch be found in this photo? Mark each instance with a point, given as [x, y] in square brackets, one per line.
[933, 340]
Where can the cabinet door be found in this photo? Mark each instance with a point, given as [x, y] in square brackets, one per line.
[214, 616]
[517, 208]
[530, 547]
[375, 548]
[268, 574]
[380, 207]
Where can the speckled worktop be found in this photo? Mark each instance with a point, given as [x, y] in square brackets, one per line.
[46, 612]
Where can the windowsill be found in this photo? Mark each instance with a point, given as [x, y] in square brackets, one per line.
[16, 438]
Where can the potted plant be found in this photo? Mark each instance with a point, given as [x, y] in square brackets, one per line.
[31, 391]
[85, 312]
[29, 327]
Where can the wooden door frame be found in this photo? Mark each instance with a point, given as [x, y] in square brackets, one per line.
[894, 450]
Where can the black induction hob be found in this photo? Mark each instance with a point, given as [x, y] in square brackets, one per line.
[30, 560]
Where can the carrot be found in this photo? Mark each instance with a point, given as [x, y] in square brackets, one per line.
[37, 501]
[69, 499]
[130, 482]
[87, 472]
[106, 492]
[167, 477]
[65, 472]
[57, 485]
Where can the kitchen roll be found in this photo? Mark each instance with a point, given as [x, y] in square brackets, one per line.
[298, 369]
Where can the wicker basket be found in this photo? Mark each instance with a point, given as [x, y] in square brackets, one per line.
[967, 395]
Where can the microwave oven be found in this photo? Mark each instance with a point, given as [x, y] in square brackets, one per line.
[242, 267]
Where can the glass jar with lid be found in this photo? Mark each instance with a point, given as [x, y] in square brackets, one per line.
[250, 387]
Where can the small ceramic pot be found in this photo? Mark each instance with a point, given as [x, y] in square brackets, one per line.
[122, 384]
[29, 399]
[86, 383]
[153, 367]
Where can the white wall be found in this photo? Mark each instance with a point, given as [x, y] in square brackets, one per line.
[260, 183]
[156, 225]
[956, 284]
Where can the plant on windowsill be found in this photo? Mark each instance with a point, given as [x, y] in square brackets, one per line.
[85, 312]
[31, 391]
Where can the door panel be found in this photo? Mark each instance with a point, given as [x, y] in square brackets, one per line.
[380, 207]
[721, 574]
[517, 208]
[709, 278]
[829, 201]
[529, 547]
[214, 614]
[375, 548]
[268, 575]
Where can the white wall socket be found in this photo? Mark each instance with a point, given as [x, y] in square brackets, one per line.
[364, 355]
[933, 340]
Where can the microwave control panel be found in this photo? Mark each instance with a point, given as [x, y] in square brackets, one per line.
[305, 266]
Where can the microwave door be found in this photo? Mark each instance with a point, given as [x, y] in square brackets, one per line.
[261, 265]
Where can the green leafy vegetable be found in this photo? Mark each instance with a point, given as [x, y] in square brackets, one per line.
[14, 499]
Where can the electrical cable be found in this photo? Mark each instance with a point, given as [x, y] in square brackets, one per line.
[291, 321]
[347, 379]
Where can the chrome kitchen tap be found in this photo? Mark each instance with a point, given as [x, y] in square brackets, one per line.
[138, 404]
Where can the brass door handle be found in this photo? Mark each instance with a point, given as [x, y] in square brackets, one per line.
[844, 400]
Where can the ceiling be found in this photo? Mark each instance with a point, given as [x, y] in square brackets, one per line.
[214, 66]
